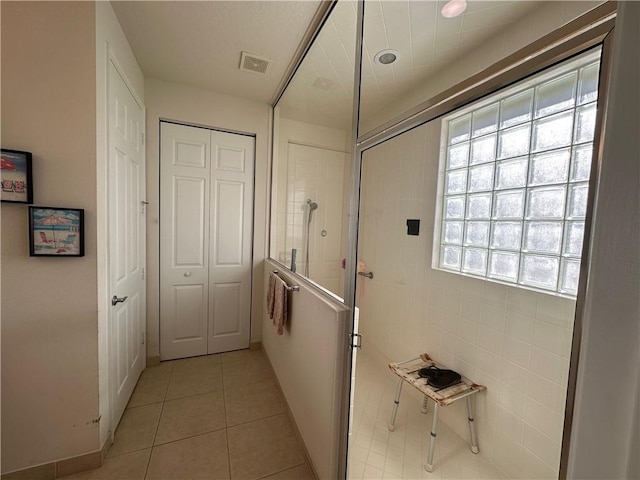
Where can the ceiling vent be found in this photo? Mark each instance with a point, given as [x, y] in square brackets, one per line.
[253, 63]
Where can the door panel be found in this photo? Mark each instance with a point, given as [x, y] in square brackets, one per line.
[226, 310]
[184, 240]
[229, 221]
[126, 243]
[231, 234]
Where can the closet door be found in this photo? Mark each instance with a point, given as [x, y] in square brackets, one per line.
[230, 260]
[185, 158]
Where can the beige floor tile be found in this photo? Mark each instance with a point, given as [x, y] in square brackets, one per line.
[201, 457]
[189, 416]
[246, 373]
[136, 430]
[252, 402]
[152, 386]
[194, 379]
[201, 361]
[262, 448]
[242, 356]
[301, 472]
[130, 466]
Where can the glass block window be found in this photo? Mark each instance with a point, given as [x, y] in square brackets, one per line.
[514, 181]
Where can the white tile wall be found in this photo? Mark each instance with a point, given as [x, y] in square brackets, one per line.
[515, 341]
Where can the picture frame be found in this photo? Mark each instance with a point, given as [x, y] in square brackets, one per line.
[56, 232]
[16, 181]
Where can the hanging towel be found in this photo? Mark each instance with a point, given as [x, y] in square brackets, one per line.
[280, 305]
[271, 294]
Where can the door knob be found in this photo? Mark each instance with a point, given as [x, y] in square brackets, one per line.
[116, 300]
[187, 274]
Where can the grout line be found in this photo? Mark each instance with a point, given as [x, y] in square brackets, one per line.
[226, 423]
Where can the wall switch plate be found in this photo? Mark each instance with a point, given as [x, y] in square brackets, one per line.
[413, 227]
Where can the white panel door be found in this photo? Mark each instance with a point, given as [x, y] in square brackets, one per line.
[126, 243]
[184, 240]
[232, 160]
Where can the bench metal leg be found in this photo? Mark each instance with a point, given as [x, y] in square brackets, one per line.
[425, 404]
[394, 410]
[432, 441]
[472, 427]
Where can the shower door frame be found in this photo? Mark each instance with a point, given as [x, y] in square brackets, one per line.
[594, 28]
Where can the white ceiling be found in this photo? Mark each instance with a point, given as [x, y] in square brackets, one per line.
[198, 43]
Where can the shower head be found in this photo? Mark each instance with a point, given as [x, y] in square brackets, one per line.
[312, 205]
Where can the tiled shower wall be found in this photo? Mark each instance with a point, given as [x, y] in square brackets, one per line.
[516, 342]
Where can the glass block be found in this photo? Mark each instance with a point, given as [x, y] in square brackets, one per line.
[588, 83]
[569, 276]
[511, 173]
[578, 200]
[506, 235]
[556, 95]
[483, 150]
[539, 271]
[456, 181]
[549, 168]
[450, 257]
[543, 237]
[459, 129]
[585, 123]
[474, 261]
[454, 207]
[458, 156]
[516, 109]
[481, 178]
[452, 232]
[477, 234]
[479, 206]
[485, 121]
[504, 265]
[514, 142]
[546, 202]
[508, 204]
[581, 163]
[573, 238]
[553, 132]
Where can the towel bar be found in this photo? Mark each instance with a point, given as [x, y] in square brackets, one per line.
[291, 288]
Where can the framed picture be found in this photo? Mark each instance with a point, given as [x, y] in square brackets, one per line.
[15, 171]
[56, 232]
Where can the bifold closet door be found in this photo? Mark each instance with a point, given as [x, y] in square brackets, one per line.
[206, 191]
[185, 159]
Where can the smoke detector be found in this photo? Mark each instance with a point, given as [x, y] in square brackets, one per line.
[253, 63]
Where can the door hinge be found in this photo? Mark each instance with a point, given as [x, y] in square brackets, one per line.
[356, 340]
[142, 274]
[142, 138]
[142, 338]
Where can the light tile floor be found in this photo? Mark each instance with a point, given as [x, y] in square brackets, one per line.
[377, 453]
[211, 417]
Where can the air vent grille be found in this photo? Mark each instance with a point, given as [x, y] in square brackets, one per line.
[253, 63]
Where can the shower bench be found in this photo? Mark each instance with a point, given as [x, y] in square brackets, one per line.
[408, 372]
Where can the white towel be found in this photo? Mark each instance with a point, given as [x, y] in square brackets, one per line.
[280, 305]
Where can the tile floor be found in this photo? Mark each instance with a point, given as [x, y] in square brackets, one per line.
[211, 417]
[377, 453]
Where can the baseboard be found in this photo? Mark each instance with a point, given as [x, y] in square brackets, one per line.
[61, 468]
[153, 361]
[106, 447]
[296, 430]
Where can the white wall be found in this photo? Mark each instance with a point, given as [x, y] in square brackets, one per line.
[516, 342]
[606, 422]
[175, 102]
[110, 42]
[308, 360]
[49, 305]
